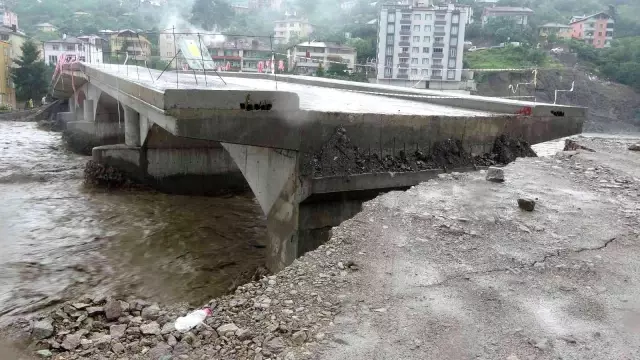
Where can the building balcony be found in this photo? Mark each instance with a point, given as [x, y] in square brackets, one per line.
[436, 77]
[403, 76]
[404, 43]
[441, 22]
[403, 55]
[437, 45]
[437, 55]
[436, 66]
[403, 65]
[405, 22]
[439, 33]
[405, 32]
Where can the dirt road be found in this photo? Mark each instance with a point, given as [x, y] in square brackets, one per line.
[453, 269]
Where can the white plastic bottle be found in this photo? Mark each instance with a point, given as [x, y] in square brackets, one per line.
[191, 320]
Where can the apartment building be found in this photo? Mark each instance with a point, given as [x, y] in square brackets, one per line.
[306, 57]
[14, 37]
[7, 91]
[421, 43]
[138, 47]
[86, 49]
[520, 15]
[595, 30]
[286, 30]
[562, 31]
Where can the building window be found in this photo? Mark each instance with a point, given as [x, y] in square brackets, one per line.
[405, 49]
[455, 18]
[71, 47]
[599, 33]
[598, 42]
[416, 28]
[437, 61]
[453, 41]
[402, 71]
[424, 72]
[425, 61]
[391, 17]
[417, 17]
[83, 59]
[427, 39]
[55, 47]
[451, 74]
[406, 16]
[416, 39]
[404, 38]
[414, 71]
[438, 39]
[428, 17]
[437, 50]
[439, 29]
[427, 28]
[454, 30]
[453, 52]
[405, 28]
[601, 26]
[436, 72]
[290, 24]
[389, 39]
[440, 16]
[391, 29]
[415, 50]
[53, 59]
[425, 50]
[388, 61]
[452, 63]
[404, 61]
[414, 60]
[387, 72]
[170, 53]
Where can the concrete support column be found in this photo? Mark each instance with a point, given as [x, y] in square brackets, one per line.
[72, 104]
[131, 127]
[272, 174]
[89, 114]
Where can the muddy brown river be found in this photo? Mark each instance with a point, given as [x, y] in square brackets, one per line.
[60, 239]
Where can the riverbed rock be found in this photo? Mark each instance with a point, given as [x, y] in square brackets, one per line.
[299, 337]
[43, 329]
[171, 340]
[634, 147]
[227, 328]
[244, 334]
[167, 328]
[160, 351]
[44, 353]
[112, 309]
[275, 345]
[495, 174]
[117, 348]
[71, 341]
[151, 312]
[94, 310]
[80, 306]
[117, 331]
[152, 328]
[526, 204]
[101, 341]
[86, 343]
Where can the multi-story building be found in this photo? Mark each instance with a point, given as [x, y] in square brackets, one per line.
[86, 49]
[306, 57]
[7, 91]
[9, 19]
[136, 45]
[14, 37]
[562, 31]
[519, 15]
[596, 29]
[46, 27]
[292, 28]
[422, 43]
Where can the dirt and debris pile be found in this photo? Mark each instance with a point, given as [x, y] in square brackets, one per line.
[570, 145]
[96, 174]
[339, 156]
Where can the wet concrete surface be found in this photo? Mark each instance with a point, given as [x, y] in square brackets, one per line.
[60, 239]
[453, 269]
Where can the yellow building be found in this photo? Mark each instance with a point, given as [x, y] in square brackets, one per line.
[138, 47]
[14, 37]
[562, 31]
[7, 92]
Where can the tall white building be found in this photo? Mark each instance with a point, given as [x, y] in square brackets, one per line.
[307, 56]
[422, 45]
[87, 49]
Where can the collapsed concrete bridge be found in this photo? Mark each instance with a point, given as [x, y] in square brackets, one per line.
[202, 134]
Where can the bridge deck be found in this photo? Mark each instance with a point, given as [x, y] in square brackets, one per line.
[311, 97]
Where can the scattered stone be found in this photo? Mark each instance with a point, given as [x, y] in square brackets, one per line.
[71, 341]
[634, 147]
[542, 344]
[94, 310]
[526, 204]
[570, 145]
[151, 312]
[117, 348]
[227, 328]
[171, 341]
[167, 328]
[80, 306]
[86, 343]
[44, 353]
[117, 331]
[495, 174]
[151, 328]
[43, 329]
[275, 345]
[299, 337]
[244, 334]
[113, 310]
[101, 342]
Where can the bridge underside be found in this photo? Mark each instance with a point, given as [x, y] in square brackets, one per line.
[206, 141]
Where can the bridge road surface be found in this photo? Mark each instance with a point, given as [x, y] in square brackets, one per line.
[314, 98]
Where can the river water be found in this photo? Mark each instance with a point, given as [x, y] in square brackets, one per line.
[59, 239]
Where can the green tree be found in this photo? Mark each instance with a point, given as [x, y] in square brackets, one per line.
[365, 48]
[30, 76]
[211, 14]
[320, 70]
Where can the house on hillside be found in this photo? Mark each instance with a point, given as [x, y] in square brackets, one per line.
[137, 46]
[87, 49]
[518, 14]
[9, 19]
[595, 30]
[289, 28]
[562, 31]
[307, 56]
[46, 27]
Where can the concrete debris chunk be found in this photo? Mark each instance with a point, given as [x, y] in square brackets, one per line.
[495, 174]
[526, 204]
